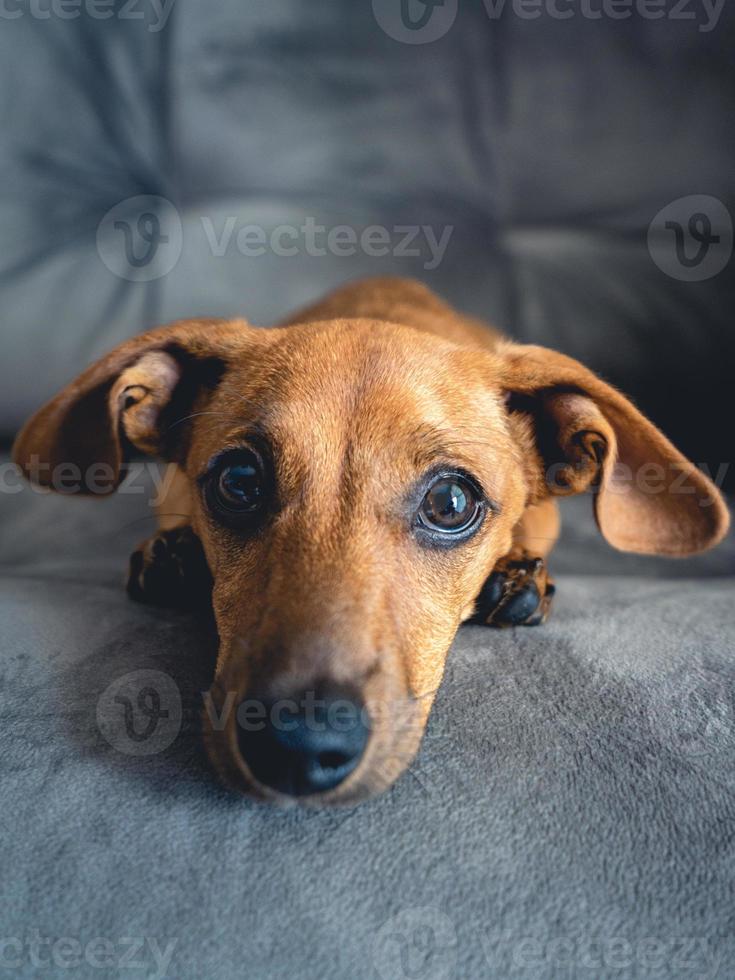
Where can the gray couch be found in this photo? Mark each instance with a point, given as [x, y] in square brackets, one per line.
[572, 810]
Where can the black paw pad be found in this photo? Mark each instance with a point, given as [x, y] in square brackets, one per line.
[520, 606]
[170, 570]
[518, 593]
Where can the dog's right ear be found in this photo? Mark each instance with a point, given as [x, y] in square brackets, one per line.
[131, 397]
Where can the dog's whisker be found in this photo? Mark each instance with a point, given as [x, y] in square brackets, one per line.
[229, 389]
[194, 415]
[417, 778]
[152, 517]
[426, 694]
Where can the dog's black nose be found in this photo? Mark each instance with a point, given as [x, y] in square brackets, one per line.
[306, 744]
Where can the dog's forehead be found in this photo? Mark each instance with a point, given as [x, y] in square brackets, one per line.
[374, 386]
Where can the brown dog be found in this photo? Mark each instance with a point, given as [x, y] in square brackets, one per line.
[360, 482]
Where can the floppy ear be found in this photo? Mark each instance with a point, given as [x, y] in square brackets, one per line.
[128, 398]
[650, 499]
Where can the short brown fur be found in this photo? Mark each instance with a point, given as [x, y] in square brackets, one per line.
[356, 398]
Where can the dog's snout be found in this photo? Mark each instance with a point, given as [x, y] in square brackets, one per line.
[303, 745]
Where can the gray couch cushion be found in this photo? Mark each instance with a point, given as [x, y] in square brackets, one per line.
[570, 813]
[547, 168]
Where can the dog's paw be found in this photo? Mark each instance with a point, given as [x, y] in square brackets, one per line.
[518, 593]
[170, 569]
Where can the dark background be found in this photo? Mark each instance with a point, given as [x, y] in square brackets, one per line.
[547, 145]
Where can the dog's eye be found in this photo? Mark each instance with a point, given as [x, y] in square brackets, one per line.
[236, 490]
[451, 505]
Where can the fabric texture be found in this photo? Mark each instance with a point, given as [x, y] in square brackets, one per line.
[570, 813]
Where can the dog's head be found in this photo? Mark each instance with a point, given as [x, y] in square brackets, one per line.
[353, 484]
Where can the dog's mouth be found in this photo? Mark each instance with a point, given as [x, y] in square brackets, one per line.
[323, 746]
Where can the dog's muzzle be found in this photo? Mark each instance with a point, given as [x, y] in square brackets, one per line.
[306, 744]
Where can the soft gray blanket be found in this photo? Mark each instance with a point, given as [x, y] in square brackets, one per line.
[571, 812]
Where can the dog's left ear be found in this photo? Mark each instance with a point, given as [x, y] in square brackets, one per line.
[650, 499]
[133, 397]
